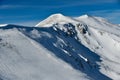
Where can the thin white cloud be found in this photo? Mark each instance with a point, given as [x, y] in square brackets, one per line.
[111, 15]
[31, 23]
[15, 16]
[78, 3]
[66, 3]
[26, 6]
[27, 23]
[84, 2]
[12, 6]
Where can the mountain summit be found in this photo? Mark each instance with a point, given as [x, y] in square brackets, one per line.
[55, 18]
[61, 48]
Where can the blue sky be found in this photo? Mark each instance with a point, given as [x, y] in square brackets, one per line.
[30, 12]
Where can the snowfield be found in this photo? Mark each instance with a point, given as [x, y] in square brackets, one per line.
[61, 48]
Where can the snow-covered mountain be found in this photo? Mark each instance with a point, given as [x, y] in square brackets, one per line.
[61, 48]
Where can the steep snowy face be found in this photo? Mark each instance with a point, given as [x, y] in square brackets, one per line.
[40, 53]
[24, 57]
[100, 36]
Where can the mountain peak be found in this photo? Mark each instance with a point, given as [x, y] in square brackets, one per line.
[85, 16]
[53, 19]
[57, 15]
[2, 25]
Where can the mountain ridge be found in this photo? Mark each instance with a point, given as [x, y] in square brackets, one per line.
[81, 49]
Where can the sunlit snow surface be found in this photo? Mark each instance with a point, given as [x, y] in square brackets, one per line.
[2, 25]
[61, 48]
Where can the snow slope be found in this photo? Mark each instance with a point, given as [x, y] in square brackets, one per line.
[101, 37]
[106, 37]
[61, 48]
[22, 58]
